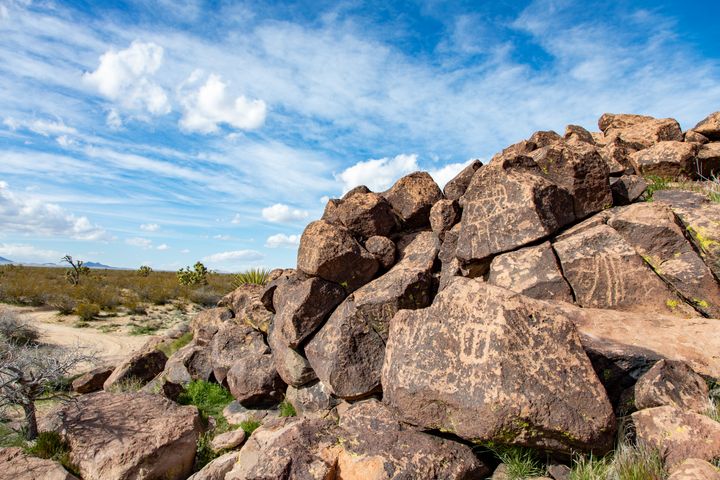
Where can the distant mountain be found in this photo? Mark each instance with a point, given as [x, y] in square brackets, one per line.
[100, 265]
[5, 261]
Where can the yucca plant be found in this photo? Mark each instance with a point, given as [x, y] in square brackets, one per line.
[254, 276]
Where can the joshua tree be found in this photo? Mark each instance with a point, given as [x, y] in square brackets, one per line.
[144, 271]
[29, 373]
[196, 276]
[78, 270]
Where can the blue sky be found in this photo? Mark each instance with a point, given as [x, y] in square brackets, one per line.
[167, 132]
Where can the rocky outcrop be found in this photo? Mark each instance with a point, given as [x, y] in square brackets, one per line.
[128, 436]
[254, 382]
[627, 188]
[231, 343]
[709, 127]
[695, 469]
[456, 187]
[16, 465]
[364, 214]
[383, 249]
[447, 368]
[191, 362]
[217, 469]
[673, 383]
[639, 130]
[291, 365]
[141, 366]
[412, 197]
[247, 306]
[206, 323]
[671, 159]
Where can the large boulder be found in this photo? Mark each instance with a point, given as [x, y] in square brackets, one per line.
[375, 445]
[231, 343]
[330, 252]
[678, 435]
[301, 306]
[254, 382]
[576, 133]
[443, 215]
[695, 469]
[507, 205]
[291, 365]
[140, 366]
[709, 127]
[708, 160]
[627, 188]
[532, 271]
[640, 130]
[412, 197]
[364, 214]
[701, 220]
[191, 362]
[580, 169]
[16, 465]
[129, 436]
[455, 188]
[217, 469]
[604, 271]
[616, 155]
[247, 306]
[483, 363]
[206, 323]
[674, 383]
[653, 230]
[347, 353]
[311, 399]
[93, 380]
[671, 159]
[383, 249]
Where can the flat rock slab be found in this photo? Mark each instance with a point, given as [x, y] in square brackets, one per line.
[678, 435]
[129, 436]
[483, 363]
[16, 465]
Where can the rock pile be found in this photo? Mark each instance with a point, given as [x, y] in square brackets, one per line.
[532, 302]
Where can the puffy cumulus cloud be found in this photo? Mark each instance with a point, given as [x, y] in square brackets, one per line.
[445, 174]
[232, 259]
[139, 242]
[19, 252]
[125, 76]
[31, 215]
[282, 240]
[210, 105]
[163, 246]
[113, 119]
[377, 174]
[150, 227]
[280, 212]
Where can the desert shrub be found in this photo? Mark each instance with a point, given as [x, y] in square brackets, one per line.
[127, 385]
[209, 398]
[87, 311]
[287, 409]
[169, 348]
[590, 468]
[136, 308]
[205, 296]
[10, 437]
[249, 426]
[143, 329]
[204, 453]
[256, 276]
[196, 276]
[63, 303]
[50, 445]
[521, 462]
[144, 271]
[17, 331]
[655, 183]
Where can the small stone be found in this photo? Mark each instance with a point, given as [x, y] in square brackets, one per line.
[228, 440]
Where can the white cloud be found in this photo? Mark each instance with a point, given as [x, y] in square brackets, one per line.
[18, 252]
[237, 219]
[4, 14]
[210, 105]
[185, 250]
[139, 242]
[378, 174]
[125, 76]
[324, 199]
[233, 256]
[113, 119]
[46, 128]
[65, 141]
[27, 214]
[283, 213]
[224, 238]
[445, 174]
[150, 227]
[282, 240]
[162, 247]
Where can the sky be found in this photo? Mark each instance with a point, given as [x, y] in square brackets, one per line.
[162, 133]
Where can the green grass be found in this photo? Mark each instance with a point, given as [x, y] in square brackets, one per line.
[590, 468]
[655, 184]
[638, 463]
[287, 409]
[249, 426]
[50, 445]
[521, 462]
[143, 329]
[169, 348]
[255, 276]
[209, 398]
[11, 438]
[128, 385]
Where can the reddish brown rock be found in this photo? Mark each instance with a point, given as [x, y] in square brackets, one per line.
[247, 306]
[695, 137]
[580, 170]
[709, 127]
[640, 130]
[228, 440]
[695, 469]
[544, 138]
[217, 469]
[616, 155]
[673, 383]
[93, 380]
[507, 205]
[254, 382]
[231, 343]
[412, 197]
[627, 189]
[301, 306]
[129, 436]
[532, 271]
[291, 365]
[576, 133]
[312, 399]
[653, 231]
[206, 323]
[376, 445]
[621, 120]
[604, 271]
[330, 252]
[347, 353]
[456, 187]
[450, 265]
[191, 362]
[142, 365]
[268, 294]
[383, 249]
[443, 215]
[671, 159]
[364, 214]
[708, 160]
[678, 435]
[447, 367]
[16, 465]
[235, 414]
